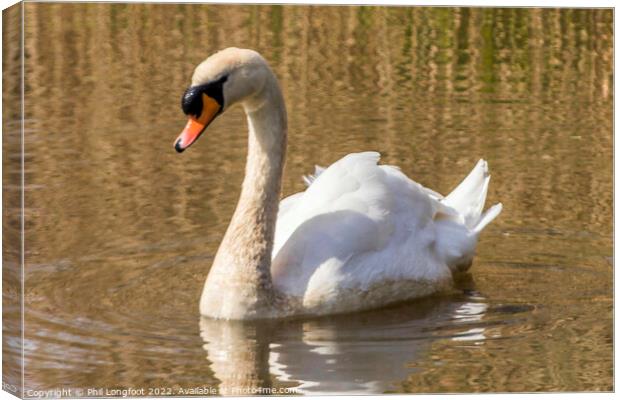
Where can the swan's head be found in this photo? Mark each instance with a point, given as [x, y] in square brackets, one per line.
[227, 77]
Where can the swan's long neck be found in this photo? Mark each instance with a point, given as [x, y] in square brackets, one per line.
[252, 227]
[239, 283]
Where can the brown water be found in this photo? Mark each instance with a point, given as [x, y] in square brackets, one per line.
[121, 230]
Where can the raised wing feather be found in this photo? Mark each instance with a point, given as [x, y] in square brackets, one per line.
[330, 191]
[353, 210]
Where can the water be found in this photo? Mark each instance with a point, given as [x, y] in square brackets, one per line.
[121, 230]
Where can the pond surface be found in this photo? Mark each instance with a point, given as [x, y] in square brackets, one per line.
[121, 230]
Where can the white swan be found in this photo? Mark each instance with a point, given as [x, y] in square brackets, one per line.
[361, 236]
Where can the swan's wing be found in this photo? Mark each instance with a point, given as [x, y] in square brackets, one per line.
[308, 179]
[353, 210]
[356, 183]
[288, 203]
[330, 190]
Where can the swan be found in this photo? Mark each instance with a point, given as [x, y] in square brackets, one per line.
[361, 235]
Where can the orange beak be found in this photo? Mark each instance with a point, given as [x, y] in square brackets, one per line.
[195, 126]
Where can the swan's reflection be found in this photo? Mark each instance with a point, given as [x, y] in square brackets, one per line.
[367, 352]
[471, 312]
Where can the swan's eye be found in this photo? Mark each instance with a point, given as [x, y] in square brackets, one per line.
[215, 90]
[192, 98]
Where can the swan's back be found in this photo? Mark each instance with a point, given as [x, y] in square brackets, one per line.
[363, 235]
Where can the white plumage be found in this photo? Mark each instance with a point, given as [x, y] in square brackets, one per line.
[364, 232]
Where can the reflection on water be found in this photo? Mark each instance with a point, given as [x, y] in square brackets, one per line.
[121, 230]
[368, 352]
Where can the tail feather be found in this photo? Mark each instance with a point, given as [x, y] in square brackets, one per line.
[457, 236]
[469, 196]
[488, 216]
